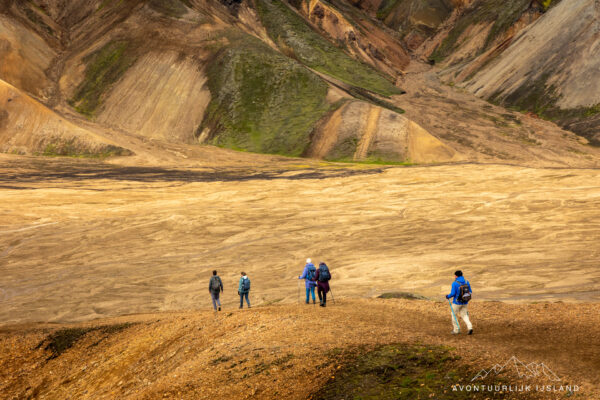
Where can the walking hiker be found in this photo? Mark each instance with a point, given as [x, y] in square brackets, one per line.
[244, 290]
[322, 277]
[215, 287]
[461, 294]
[309, 275]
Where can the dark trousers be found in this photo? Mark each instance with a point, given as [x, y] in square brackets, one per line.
[242, 295]
[322, 296]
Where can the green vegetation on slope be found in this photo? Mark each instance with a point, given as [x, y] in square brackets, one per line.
[172, 8]
[402, 371]
[503, 13]
[300, 41]
[540, 98]
[262, 101]
[385, 8]
[104, 67]
[70, 148]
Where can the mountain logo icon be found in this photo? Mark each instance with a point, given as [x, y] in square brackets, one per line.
[522, 370]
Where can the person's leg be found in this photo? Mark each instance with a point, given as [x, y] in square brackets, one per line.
[212, 296]
[218, 294]
[241, 300]
[324, 298]
[312, 290]
[456, 327]
[307, 294]
[320, 297]
[247, 299]
[465, 316]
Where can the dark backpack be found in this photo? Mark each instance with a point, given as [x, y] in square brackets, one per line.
[215, 284]
[245, 285]
[311, 273]
[324, 274]
[464, 293]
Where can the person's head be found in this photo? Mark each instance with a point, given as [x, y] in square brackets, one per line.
[308, 260]
[215, 272]
[458, 273]
[321, 263]
[243, 274]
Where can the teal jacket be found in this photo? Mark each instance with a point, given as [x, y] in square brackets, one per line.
[240, 286]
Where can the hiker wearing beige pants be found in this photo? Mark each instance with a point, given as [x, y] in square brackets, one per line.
[460, 310]
[460, 294]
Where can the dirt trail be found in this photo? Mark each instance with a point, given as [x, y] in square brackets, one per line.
[282, 351]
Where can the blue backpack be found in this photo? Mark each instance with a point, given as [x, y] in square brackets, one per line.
[311, 273]
[245, 285]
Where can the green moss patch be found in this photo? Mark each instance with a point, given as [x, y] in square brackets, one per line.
[297, 39]
[70, 148]
[262, 101]
[400, 372]
[103, 68]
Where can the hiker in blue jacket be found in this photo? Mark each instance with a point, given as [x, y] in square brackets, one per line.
[244, 289]
[460, 295]
[309, 275]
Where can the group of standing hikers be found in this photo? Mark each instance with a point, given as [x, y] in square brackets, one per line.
[319, 278]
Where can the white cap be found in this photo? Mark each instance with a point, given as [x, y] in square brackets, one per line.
[308, 261]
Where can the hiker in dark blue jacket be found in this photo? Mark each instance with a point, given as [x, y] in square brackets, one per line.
[459, 302]
[309, 275]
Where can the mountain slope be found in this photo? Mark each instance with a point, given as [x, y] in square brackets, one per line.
[27, 126]
[267, 76]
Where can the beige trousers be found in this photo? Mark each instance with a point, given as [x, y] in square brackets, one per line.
[460, 311]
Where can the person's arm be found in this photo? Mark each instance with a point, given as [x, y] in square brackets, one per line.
[317, 275]
[304, 273]
[452, 291]
[240, 285]
[221, 283]
[210, 283]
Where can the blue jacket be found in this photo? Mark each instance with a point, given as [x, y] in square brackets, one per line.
[456, 290]
[307, 283]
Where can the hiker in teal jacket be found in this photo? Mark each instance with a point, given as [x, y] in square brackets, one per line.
[244, 290]
[458, 307]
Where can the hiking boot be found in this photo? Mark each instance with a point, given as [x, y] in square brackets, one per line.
[307, 302]
[455, 333]
[219, 308]
[470, 332]
[322, 305]
[314, 302]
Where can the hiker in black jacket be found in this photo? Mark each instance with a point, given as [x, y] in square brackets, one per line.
[215, 287]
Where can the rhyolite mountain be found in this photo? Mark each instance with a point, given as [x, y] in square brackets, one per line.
[314, 78]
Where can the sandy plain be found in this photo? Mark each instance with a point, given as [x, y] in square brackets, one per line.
[83, 239]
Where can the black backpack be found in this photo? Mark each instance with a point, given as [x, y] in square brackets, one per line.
[464, 293]
[311, 272]
[215, 284]
[324, 274]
